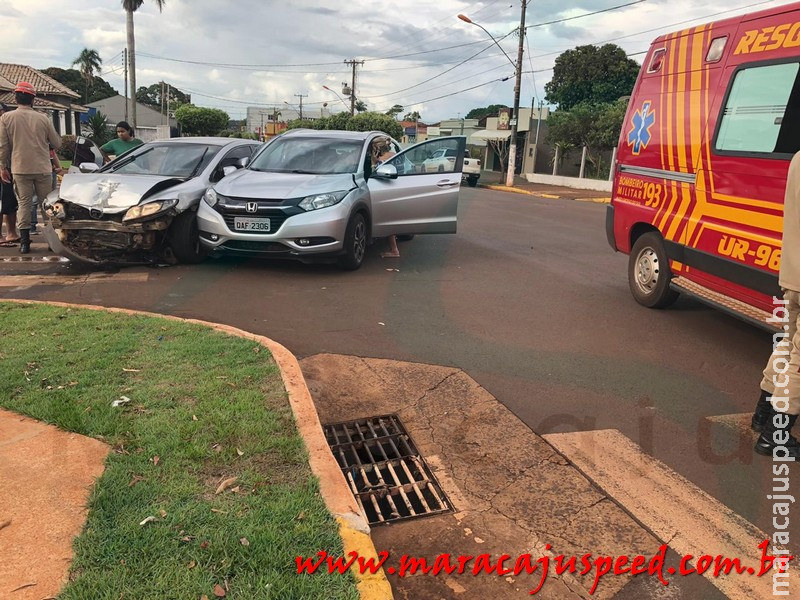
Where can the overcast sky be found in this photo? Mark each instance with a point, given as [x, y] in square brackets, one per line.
[416, 53]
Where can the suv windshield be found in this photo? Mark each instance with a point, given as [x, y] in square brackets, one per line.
[166, 160]
[318, 156]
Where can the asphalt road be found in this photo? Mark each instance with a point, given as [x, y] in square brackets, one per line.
[527, 298]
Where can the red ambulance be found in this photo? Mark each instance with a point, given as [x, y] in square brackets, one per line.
[700, 173]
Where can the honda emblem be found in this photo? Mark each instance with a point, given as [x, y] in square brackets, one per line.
[251, 207]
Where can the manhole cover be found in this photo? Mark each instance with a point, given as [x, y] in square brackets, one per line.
[384, 470]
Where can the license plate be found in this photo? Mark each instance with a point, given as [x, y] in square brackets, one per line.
[250, 224]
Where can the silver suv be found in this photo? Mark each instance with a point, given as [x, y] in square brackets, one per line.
[325, 194]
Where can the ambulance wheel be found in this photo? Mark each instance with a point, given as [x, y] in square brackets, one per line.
[649, 273]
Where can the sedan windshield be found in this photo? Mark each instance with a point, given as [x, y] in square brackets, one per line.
[166, 160]
[318, 156]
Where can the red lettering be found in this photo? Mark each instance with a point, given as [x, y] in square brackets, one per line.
[501, 570]
[462, 562]
[619, 564]
[561, 567]
[703, 563]
[338, 565]
[524, 564]
[767, 560]
[409, 564]
[370, 564]
[442, 563]
[684, 569]
[638, 564]
[586, 561]
[724, 565]
[483, 562]
[656, 566]
[603, 566]
[307, 565]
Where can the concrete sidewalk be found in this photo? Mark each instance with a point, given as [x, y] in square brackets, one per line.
[496, 181]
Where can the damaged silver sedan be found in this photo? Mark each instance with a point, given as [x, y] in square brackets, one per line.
[141, 207]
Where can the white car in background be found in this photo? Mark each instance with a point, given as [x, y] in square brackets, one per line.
[441, 161]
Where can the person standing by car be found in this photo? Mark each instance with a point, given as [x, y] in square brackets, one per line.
[779, 404]
[122, 143]
[8, 207]
[26, 137]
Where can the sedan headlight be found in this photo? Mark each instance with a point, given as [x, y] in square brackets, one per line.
[210, 197]
[318, 201]
[148, 210]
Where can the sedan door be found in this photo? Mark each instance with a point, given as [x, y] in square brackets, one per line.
[416, 201]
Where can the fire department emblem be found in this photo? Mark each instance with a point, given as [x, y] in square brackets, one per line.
[641, 123]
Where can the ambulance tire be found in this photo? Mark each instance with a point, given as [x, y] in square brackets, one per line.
[649, 274]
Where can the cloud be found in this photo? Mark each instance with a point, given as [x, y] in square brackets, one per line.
[416, 53]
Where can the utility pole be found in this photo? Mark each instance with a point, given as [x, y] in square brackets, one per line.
[125, 77]
[512, 153]
[301, 96]
[353, 63]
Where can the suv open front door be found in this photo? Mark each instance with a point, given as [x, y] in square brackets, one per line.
[417, 201]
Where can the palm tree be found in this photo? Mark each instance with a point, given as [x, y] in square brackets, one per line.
[131, 6]
[89, 62]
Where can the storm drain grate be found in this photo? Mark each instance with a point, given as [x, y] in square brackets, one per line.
[384, 470]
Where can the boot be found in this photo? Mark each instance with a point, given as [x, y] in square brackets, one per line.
[766, 442]
[24, 241]
[761, 413]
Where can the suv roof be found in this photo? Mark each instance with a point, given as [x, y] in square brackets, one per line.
[334, 133]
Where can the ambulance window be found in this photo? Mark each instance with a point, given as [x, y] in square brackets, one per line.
[716, 49]
[657, 60]
[762, 112]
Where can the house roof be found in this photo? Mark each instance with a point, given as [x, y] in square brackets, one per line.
[11, 99]
[5, 84]
[44, 85]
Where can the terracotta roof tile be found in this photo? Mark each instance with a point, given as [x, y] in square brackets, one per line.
[5, 84]
[10, 99]
[43, 84]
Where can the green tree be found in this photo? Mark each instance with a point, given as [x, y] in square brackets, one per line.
[593, 74]
[490, 111]
[89, 61]
[361, 106]
[72, 78]
[100, 132]
[595, 126]
[151, 96]
[412, 116]
[394, 111]
[375, 121]
[366, 121]
[196, 120]
[131, 6]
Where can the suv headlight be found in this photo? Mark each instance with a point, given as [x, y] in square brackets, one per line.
[318, 201]
[148, 210]
[210, 197]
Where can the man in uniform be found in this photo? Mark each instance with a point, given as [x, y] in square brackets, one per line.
[26, 137]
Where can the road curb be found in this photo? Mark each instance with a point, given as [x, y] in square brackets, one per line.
[514, 190]
[353, 527]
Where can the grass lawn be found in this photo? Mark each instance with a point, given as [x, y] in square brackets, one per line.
[204, 407]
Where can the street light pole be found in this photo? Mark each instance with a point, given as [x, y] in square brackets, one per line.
[512, 152]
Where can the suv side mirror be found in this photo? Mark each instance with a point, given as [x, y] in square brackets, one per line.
[385, 172]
